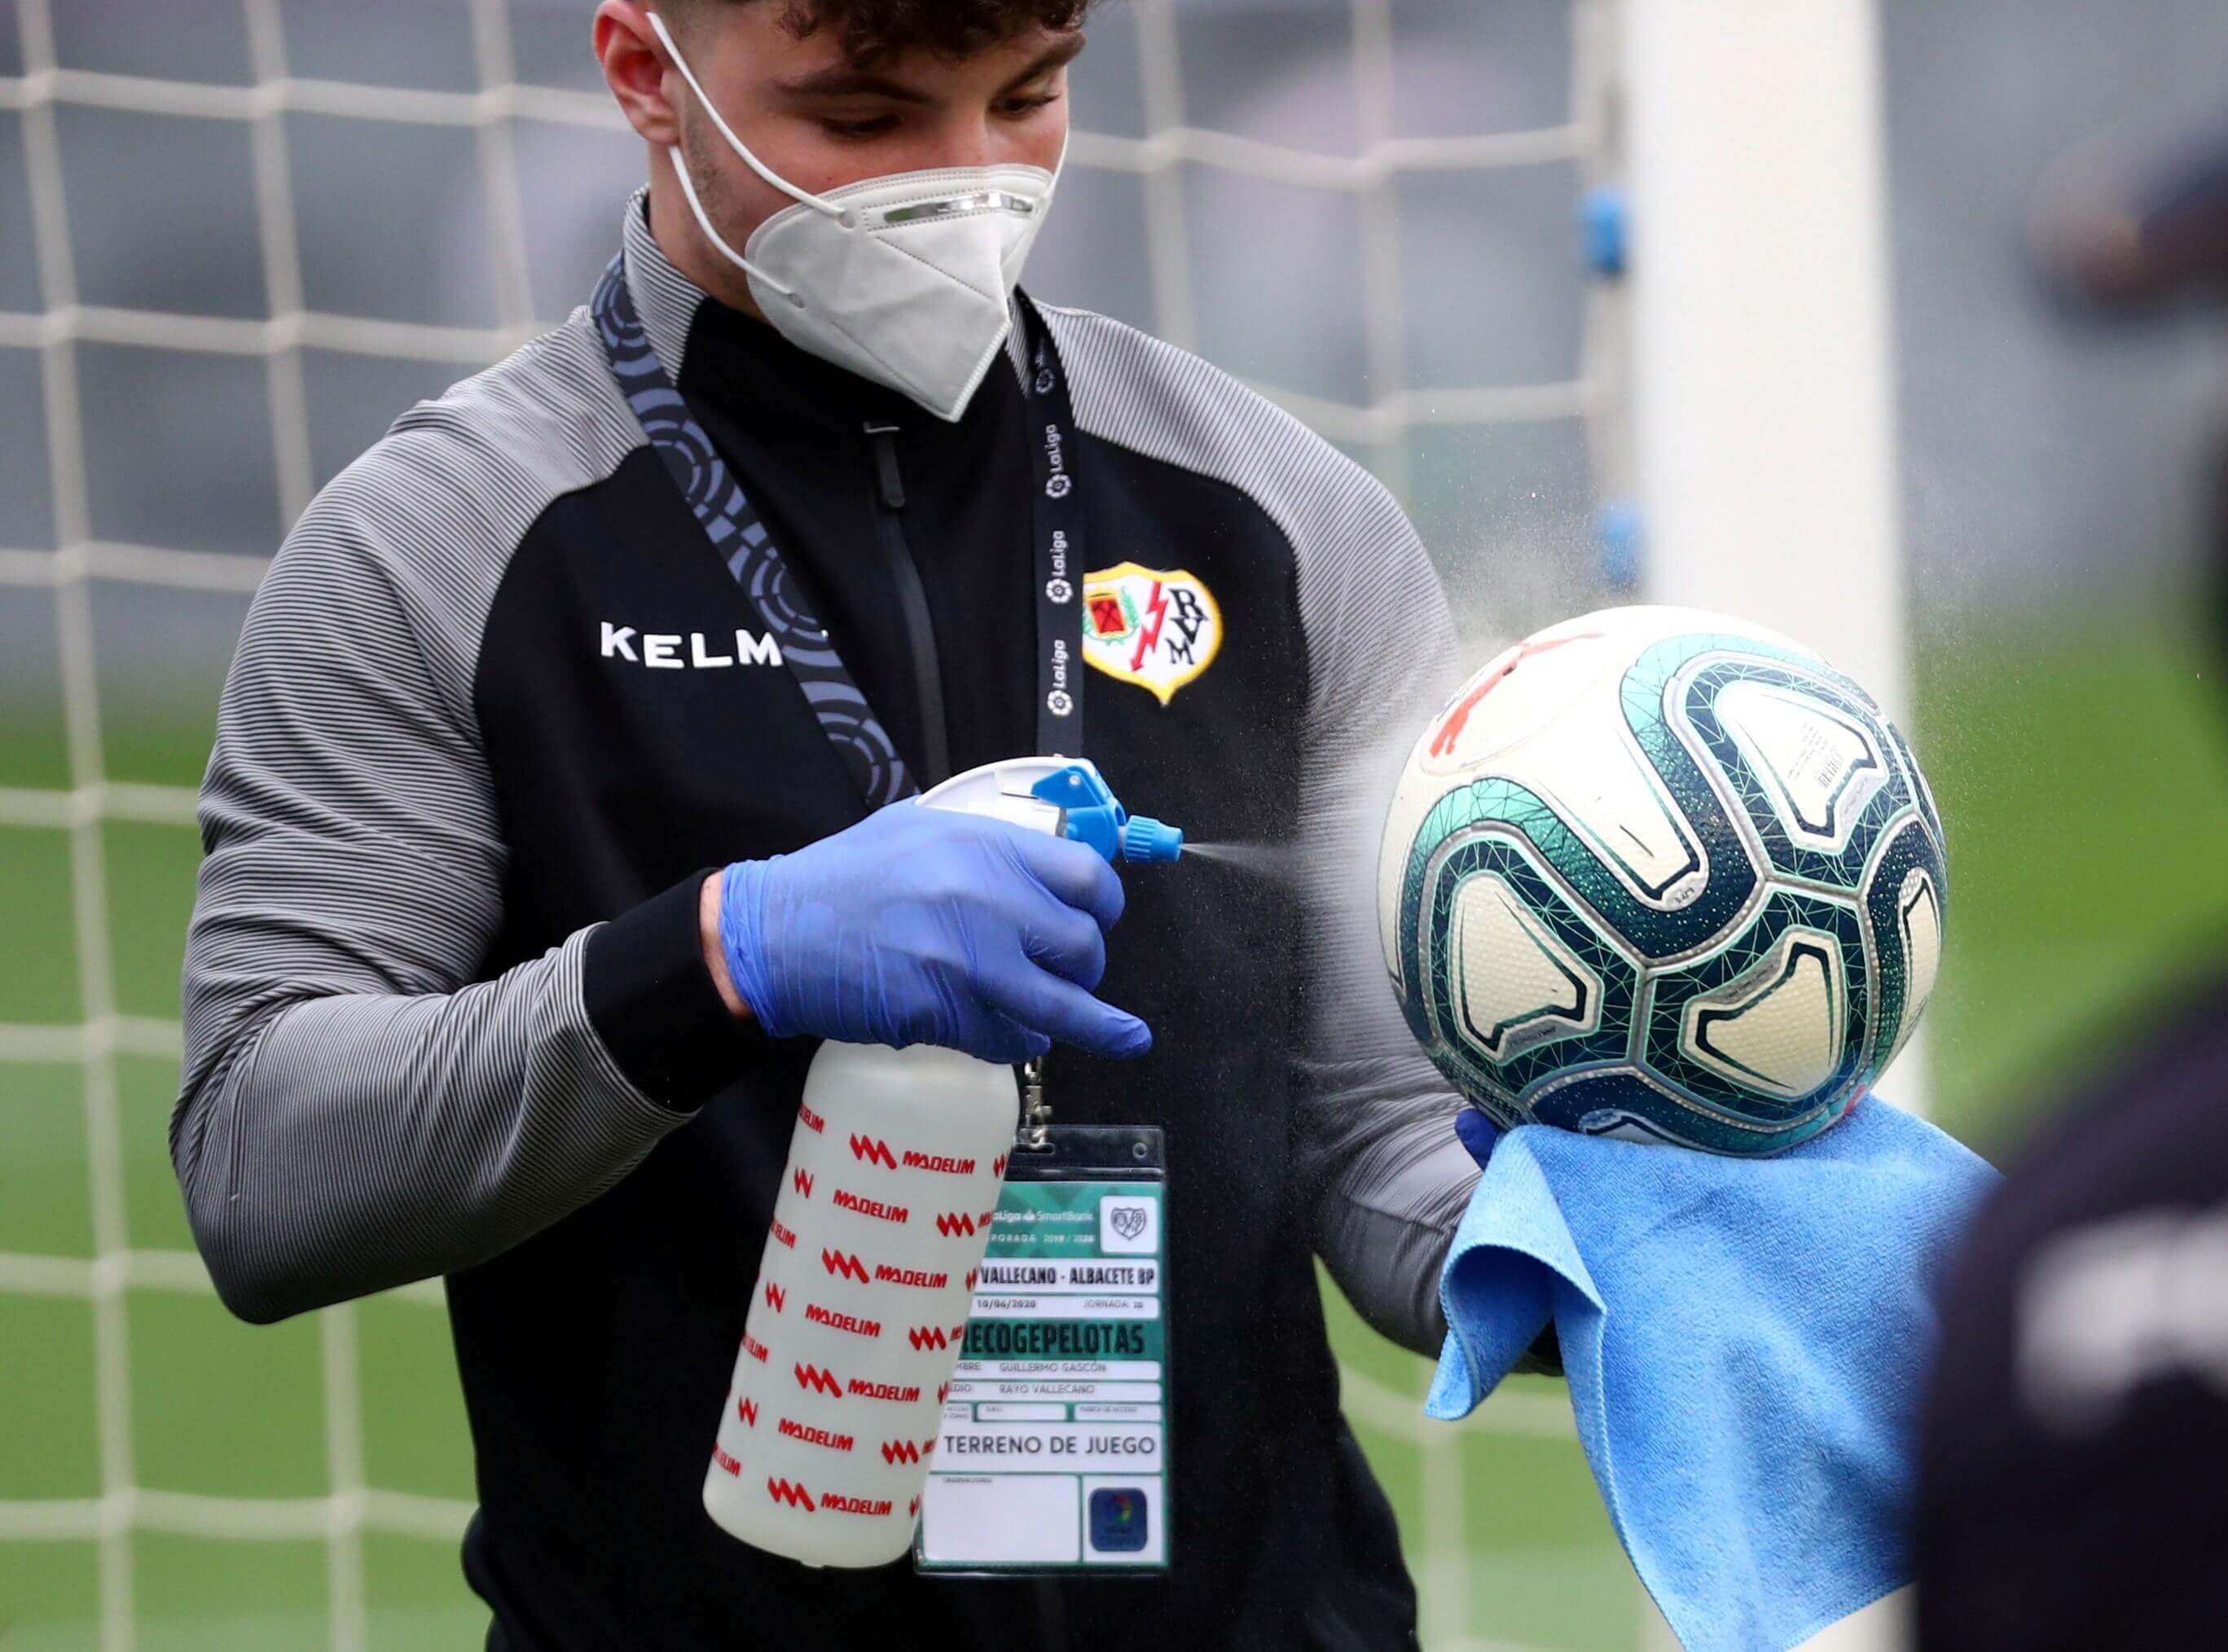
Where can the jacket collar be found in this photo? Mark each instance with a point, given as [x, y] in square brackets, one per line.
[666, 299]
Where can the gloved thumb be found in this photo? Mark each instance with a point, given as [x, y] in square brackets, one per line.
[1477, 1133]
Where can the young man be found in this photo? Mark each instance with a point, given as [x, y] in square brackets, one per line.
[542, 844]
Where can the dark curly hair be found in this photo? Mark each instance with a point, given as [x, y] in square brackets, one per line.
[874, 30]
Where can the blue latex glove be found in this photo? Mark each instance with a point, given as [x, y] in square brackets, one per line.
[926, 926]
[1476, 1132]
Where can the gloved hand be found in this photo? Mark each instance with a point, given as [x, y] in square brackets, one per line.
[1477, 1133]
[927, 926]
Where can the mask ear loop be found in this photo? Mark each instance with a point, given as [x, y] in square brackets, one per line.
[704, 223]
[826, 209]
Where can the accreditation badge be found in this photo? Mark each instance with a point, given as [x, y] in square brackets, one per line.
[1053, 1453]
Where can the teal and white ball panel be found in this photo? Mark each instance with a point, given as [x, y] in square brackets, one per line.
[1771, 1031]
[1818, 769]
[1915, 779]
[1799, 752]
[1513, 981]
[1626, 1103]
[1904, 894]
[1523, 983]
[1664, 875]
[1684, 875]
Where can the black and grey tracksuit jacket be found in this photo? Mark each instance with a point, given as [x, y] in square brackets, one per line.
[447, 1015]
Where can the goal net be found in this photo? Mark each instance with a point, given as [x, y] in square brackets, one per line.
[234, 242]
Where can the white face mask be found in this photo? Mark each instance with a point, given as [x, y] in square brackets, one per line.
[904, 279]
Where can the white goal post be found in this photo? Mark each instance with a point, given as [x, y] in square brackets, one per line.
[1762, 374]
[1762, 389]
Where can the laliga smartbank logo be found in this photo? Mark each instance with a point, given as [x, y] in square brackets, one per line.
[1158, 628]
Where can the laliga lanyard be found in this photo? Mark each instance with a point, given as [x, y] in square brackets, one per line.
[745, 545]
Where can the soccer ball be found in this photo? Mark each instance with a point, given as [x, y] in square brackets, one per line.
[1662, 874]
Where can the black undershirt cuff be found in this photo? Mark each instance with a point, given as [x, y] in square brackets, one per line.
[651, 1000]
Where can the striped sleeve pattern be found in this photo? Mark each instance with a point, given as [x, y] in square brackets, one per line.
[355, 1115]
[1378, 1147]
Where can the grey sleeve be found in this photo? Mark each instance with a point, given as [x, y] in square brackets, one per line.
[1377, 1119]
[356, 1111]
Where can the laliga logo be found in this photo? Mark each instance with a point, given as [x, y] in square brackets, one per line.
[1059, 590]
[1058, 483]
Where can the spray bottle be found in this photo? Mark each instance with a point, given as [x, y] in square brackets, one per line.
[859, 1308]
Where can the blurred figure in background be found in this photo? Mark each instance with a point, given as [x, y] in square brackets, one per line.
[2074, 1477]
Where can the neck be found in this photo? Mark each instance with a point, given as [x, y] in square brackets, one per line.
[675, 229]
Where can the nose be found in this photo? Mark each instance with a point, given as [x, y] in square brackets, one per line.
[966, 141]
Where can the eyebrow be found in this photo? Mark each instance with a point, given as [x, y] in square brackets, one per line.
[1061, 53]
[841, 81]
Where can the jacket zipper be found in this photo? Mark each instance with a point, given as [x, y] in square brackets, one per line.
[913, 603]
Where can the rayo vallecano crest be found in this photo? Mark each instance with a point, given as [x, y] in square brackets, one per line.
[1158, 628]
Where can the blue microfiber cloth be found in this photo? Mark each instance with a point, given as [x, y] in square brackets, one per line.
[1745, 1341]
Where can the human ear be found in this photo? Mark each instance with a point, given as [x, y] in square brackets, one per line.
[635, 70]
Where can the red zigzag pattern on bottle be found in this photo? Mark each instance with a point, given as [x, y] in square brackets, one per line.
[874, 1151]
[784, 1491]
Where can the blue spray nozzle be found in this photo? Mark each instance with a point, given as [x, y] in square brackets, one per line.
[1152, 841]
[1092, 814]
